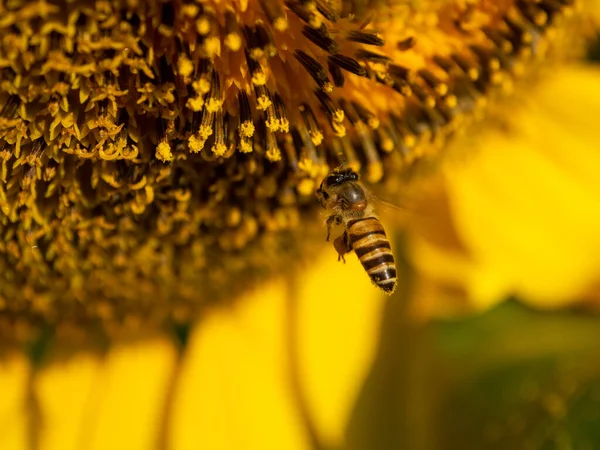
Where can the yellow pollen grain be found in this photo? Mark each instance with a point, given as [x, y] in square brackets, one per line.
[203, 26]
[338, 129]
[316, 137]
[185, 66]
[328, 87]
[263, 102]
[190, 10]
[245, 146]
[274, 154]
[308, 166]
[280, 24]
[451, 101]
[374, 172]
[442, 89]
[257, 53]
[247, 129]
[259, 78]
[219, 149]
[272, 124]
[284, 125]
[373, 123]
[196, 143]
[387, 145]
[212, 46]
[306, 187]
[338, 115]
[233, 41]
[315, 21]
[234, 217]
[214, 105]
[205, 131]
[195, 103]
[163, 152]
[473, 73]
[202, 85]
[409, 140]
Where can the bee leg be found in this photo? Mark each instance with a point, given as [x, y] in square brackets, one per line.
[342, 246]
[331, 222]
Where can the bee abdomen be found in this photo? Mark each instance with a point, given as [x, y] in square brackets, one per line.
[370, 243]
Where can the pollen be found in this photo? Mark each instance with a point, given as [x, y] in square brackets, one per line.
[151, 149]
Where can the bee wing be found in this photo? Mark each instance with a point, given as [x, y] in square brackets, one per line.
[374, 199]
[388, 204]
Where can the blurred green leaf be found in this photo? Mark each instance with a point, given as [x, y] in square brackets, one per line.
[511, 378]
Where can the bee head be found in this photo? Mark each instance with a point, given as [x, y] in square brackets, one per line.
[338, 177]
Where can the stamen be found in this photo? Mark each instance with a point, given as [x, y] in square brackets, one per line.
[365, 37]
[326, 8]
[427, 99]
[366, 116]
[434, 82]
[246, 126]
[336, 73]
[219, 148]
[406, 44]
[214, 101]
[348, 64]
[272, 149]
[469, 68]
[332, 109]
[372, 57]
[306, 11]
[315, 70]
[275, 13]
[281, 113]
[314, 130]
[233, 38]
[320, 37]
[263, 97]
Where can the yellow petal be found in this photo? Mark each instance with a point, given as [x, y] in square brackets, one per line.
[526, 207]
[281, 366]
[128, 396]
[234, 391]
[339, 316]
[14, 374]
[65, 392]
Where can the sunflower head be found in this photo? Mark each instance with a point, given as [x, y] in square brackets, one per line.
[152, 152]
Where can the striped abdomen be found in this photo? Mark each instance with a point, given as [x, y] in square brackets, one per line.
[368, 240]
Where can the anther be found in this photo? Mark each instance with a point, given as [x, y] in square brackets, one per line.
[434, 82]
[233, 38]
[310, 121]
[336, 73]
[320, 37]
[348, 64]
[315, 70]
[365, 37]
[275, 13]
[332, 109]
[406, 44]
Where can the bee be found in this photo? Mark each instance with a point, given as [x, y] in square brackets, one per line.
[347, 204]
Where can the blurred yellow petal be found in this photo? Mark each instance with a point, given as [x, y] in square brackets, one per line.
[14, 375]
[339, 320]
[66, 391]
[281, 367]
[525, 206]
[233, 392]
[126, 406]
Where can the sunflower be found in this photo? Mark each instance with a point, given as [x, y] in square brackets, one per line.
[162, 278]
